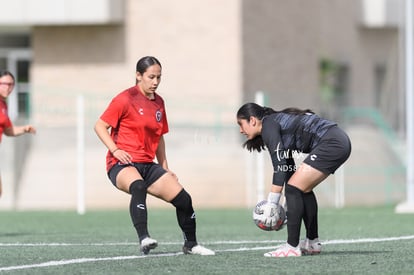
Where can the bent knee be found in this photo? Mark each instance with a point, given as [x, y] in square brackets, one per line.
[182, 200]
[166, 187]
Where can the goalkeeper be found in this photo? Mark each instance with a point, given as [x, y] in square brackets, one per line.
[284, 134]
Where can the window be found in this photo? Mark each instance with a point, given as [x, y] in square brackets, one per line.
[23, 88]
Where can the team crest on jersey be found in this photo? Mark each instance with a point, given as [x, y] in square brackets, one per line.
[158, 116]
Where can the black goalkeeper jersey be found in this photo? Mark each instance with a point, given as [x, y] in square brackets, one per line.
[287, 134]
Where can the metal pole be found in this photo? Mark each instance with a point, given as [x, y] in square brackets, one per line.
[259, 99]
[410, 102]
[80, 155]
[408, 206]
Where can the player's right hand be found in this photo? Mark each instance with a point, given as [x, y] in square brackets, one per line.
[122, 156]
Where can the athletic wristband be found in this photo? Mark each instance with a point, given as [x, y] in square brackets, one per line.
[273, 197]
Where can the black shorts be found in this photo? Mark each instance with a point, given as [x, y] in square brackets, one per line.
[150, 172]
[331, 152]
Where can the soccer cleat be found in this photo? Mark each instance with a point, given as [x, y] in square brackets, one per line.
[285, 250]
[310, 247]
[147, 244]
[198, 250]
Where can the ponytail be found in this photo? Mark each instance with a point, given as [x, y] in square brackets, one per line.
[254, 144]
[296, 111]
[252, 109]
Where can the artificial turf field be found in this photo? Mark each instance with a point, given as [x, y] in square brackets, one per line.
[355, 241]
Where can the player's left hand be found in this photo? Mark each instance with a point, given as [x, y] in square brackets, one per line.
[269, 210]
[29, 129]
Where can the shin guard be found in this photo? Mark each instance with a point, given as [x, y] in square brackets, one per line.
[186, 217]
[138, 208]
[310, 216]
[295, 212]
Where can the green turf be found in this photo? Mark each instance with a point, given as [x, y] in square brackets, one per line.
[104, 242]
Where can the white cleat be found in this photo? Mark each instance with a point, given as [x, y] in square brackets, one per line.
[310, 247]
[198, 250]
[285, 250]
[147, 244]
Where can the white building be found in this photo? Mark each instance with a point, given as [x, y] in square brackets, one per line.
[338, 57]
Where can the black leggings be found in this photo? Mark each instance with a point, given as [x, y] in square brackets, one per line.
[300, 206]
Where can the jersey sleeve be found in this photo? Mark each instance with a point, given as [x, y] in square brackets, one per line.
[114, 111]
[8, 123]
[164, 119]
[271, 135]
[165, 127]
[5, 121]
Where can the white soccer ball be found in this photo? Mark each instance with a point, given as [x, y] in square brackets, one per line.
[269, 216]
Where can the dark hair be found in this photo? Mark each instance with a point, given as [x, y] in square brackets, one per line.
[145, 62]
[5, 72]
[252, 109]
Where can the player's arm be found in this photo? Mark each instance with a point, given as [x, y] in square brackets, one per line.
[102, 130]
[276, 189]
[273, 141]
[161, 155]
[15, 131]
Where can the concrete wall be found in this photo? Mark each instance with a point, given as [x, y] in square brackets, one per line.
[280, 41]
[199, 48]
[295, 35]
[215, 55]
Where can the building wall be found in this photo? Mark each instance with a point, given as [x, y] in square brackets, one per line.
[198, 45]
[199, 48]
[215, 55]
[279, 53]
[295, 35]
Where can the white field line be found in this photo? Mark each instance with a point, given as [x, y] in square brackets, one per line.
[118, 258]
[83, 260]
[365, 240]
[134, 243]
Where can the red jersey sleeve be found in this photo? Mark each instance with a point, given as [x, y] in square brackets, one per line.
[4, 118]
[114, 111]
[165, 128]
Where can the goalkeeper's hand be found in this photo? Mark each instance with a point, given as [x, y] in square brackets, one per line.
[269, 211]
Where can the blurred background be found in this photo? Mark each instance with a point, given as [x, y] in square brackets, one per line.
[344, 59]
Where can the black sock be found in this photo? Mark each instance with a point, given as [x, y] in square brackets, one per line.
[310, 217]
[295, 213]
[186, 217]
[138, 208]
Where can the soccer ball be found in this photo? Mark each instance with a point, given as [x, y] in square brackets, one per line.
[269, 217]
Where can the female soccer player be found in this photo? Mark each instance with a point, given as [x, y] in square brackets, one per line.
[284, 134]
[7, 82]
[132, 128]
